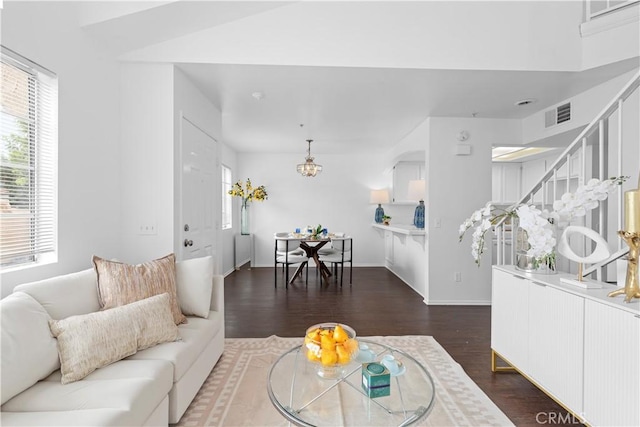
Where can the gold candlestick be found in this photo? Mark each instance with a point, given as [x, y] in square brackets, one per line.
[632, 211]
[631, 288]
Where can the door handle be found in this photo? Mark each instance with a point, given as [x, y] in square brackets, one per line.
[188, 242]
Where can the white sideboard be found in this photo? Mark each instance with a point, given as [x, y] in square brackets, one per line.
[579, 346]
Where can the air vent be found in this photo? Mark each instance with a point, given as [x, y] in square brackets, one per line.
[558, 115]
[564, 113]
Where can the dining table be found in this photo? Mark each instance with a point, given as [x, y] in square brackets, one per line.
[311, 247]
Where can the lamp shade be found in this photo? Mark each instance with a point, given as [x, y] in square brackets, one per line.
[379, 196]
[417, 189]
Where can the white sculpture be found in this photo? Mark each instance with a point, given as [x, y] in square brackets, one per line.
[600, 253]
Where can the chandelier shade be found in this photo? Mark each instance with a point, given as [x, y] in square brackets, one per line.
[309, 168]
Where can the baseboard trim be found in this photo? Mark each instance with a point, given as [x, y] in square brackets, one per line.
[457, 302]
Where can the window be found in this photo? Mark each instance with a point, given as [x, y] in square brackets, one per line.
[28, 162]
[227, 211]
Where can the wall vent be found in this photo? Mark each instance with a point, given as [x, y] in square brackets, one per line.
[557, 115]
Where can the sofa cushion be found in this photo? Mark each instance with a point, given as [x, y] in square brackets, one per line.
[123, 393]
[93, 340]
[194, 279]
[66, 295]
[120, 283]
[195, 336]
[28, 350]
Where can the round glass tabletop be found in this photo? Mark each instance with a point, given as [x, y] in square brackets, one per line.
[308, 395]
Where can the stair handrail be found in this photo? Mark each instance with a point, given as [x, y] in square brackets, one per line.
[612, 106]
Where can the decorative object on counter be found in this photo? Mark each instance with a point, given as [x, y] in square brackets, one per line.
[379, 197]
[330, 346]
[600, 253]
[309, 168]
[535, 240]
[632, 210]
[417, 189]
[386, 219]
[536, 224]
[247, 193]
[631, 235]
[631, 288]
[395, 366]
[376, 380]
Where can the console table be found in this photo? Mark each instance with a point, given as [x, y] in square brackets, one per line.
[579, 346]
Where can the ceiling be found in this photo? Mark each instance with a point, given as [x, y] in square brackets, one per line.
[345, 109]
[342, 108]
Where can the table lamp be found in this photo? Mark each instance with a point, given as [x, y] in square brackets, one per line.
[417, 190]
[379, 197]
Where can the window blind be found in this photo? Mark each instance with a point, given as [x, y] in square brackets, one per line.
[28, 161]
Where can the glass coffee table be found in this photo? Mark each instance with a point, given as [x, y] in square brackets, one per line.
[307, 399]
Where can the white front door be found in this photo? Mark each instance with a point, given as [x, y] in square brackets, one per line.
[198, 191]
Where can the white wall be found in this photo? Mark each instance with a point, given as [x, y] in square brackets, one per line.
[338, 199]
[610, 38]
[153, 98]
[147, 140]
[88, 151]
[457, 186]
[228, 157]
[417, 39]
[584, 108]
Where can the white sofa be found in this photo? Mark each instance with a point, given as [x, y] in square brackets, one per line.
[152, 387]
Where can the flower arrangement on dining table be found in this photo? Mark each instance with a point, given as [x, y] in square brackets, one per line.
[248, 193]
[317, 232]
[537, 223]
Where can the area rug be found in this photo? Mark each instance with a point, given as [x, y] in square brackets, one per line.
[235, 393]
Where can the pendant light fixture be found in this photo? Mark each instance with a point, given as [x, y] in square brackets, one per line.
[309, 168]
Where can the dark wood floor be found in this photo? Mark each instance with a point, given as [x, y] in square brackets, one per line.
[379, 303]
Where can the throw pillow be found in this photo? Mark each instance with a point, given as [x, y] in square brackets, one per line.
[91, 341]
[120, 283]
[28, 350]
[194, 281]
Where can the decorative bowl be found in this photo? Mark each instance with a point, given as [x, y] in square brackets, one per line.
[330, 346]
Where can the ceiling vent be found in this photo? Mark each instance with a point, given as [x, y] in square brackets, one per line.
[557, 115]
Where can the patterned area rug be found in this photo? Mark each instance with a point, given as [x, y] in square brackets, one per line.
[235, 394]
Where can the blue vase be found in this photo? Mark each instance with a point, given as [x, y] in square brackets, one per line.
[418, 216]
[379, 214]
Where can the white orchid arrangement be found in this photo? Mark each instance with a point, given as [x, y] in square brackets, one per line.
[538, 224]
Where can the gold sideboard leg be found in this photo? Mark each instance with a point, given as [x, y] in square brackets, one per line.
[494, 365]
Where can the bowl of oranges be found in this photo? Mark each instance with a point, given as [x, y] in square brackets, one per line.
[330, 346]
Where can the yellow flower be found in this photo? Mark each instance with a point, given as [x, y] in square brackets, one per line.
[248, 193]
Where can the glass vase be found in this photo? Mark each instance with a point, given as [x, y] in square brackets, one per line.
[244, 219]
[525, 262]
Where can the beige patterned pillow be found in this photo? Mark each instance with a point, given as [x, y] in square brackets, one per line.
[91, 341]
[120, 283]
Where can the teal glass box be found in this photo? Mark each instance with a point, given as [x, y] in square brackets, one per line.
[376, 380]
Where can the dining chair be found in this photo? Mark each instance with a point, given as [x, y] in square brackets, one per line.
[296, 250]
[284, 253]
[343, 253]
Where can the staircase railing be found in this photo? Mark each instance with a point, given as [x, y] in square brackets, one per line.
[585, 158]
